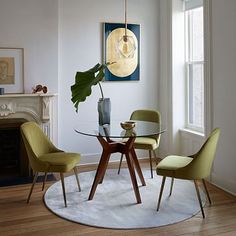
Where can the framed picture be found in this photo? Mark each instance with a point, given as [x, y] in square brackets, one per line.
[124, 55]
[12, 70]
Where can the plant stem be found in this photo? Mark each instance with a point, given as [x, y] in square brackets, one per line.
[101, 90]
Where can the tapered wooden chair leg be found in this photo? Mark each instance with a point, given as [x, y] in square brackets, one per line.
[121, 159]
[161, 191]
[150, 160]
[171, 185]
[208, 195]
[77, 177]
[32, 186]
[199, 198]
[155, 157]
[63, 188]
[44, 180]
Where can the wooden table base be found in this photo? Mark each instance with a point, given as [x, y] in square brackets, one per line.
[109, 146]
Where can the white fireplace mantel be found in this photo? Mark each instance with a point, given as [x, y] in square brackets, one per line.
[41, 108]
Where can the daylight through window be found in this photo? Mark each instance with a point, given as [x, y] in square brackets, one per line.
[195, 68]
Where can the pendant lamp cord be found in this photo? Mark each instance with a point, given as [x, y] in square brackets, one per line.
[125, 17]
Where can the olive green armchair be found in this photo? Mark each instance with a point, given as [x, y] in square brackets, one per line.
[45, 157]
[195, 167]
[147, 143]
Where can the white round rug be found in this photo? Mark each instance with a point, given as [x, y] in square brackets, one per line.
[114, 203]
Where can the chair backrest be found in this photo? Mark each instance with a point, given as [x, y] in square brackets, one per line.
[147, 115]
[202, 162]
[36, 142]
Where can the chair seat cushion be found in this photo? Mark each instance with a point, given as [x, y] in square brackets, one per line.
[170, 164]
[60, 161]
[146, 143]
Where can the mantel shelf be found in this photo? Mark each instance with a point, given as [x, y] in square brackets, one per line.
[10, 95]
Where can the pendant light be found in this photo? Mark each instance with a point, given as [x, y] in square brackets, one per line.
[126, 44]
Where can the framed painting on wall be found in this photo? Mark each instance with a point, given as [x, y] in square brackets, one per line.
[12, 70]
[125, 57]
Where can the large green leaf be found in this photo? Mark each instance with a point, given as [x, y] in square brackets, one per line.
[84, 82]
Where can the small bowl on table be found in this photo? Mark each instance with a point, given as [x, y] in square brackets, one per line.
[127, 125]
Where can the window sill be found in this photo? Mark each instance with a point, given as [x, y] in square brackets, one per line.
[192, 132]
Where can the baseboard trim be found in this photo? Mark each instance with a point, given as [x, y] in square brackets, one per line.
[226, 185]
[95, 157]
[111, 161]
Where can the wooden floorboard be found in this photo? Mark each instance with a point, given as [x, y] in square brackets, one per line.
[19, 218]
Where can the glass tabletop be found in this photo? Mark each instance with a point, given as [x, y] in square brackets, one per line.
[114, 130]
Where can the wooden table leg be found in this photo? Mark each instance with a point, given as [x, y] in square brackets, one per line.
[104, 169]
[100, 173]
[133, 177]
[109, 147]
[137, 166]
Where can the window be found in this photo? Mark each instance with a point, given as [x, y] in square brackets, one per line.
[195, 68]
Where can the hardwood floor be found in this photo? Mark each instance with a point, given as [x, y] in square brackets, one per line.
[19, 218]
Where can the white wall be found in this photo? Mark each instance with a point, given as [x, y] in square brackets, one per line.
[33, 25]
[68, 33]
[178, 74]
[80, 47]
[172, 84]
[224, 95]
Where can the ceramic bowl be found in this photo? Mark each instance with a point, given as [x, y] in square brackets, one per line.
[127, 125]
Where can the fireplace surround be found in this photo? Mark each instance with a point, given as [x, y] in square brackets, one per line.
[16, 109]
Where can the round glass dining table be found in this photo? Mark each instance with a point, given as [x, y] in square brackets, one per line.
[113, 138]
[114, 130]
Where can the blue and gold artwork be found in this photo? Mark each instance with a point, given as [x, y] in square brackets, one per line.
[122, 50]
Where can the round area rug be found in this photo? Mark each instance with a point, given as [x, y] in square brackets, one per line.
[114, 203]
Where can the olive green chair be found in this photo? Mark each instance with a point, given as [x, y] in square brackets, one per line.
[45, 157]
[195, 167]
[148, 143]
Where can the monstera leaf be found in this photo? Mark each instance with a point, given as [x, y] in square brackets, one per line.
[84, 82]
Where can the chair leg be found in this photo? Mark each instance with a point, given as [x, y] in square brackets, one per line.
[161, 191]
[63, 188]
[32, 186]
[44, 180]
[208, 195]
[150, 160]
[155, 157]
[77, 178]
[121, 159]
[171, 185]
[199, 198]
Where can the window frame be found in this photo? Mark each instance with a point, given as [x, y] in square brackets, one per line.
[190, 62]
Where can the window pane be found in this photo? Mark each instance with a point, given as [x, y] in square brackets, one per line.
[196, 95]
[196, 34]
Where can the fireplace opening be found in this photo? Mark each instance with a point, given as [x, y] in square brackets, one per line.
[13, 157]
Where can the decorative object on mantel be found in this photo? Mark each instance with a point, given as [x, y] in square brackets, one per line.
[39, 89]
[83, 88]
[12, 69]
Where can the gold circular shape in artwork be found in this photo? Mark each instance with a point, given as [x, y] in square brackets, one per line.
[123, 52]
